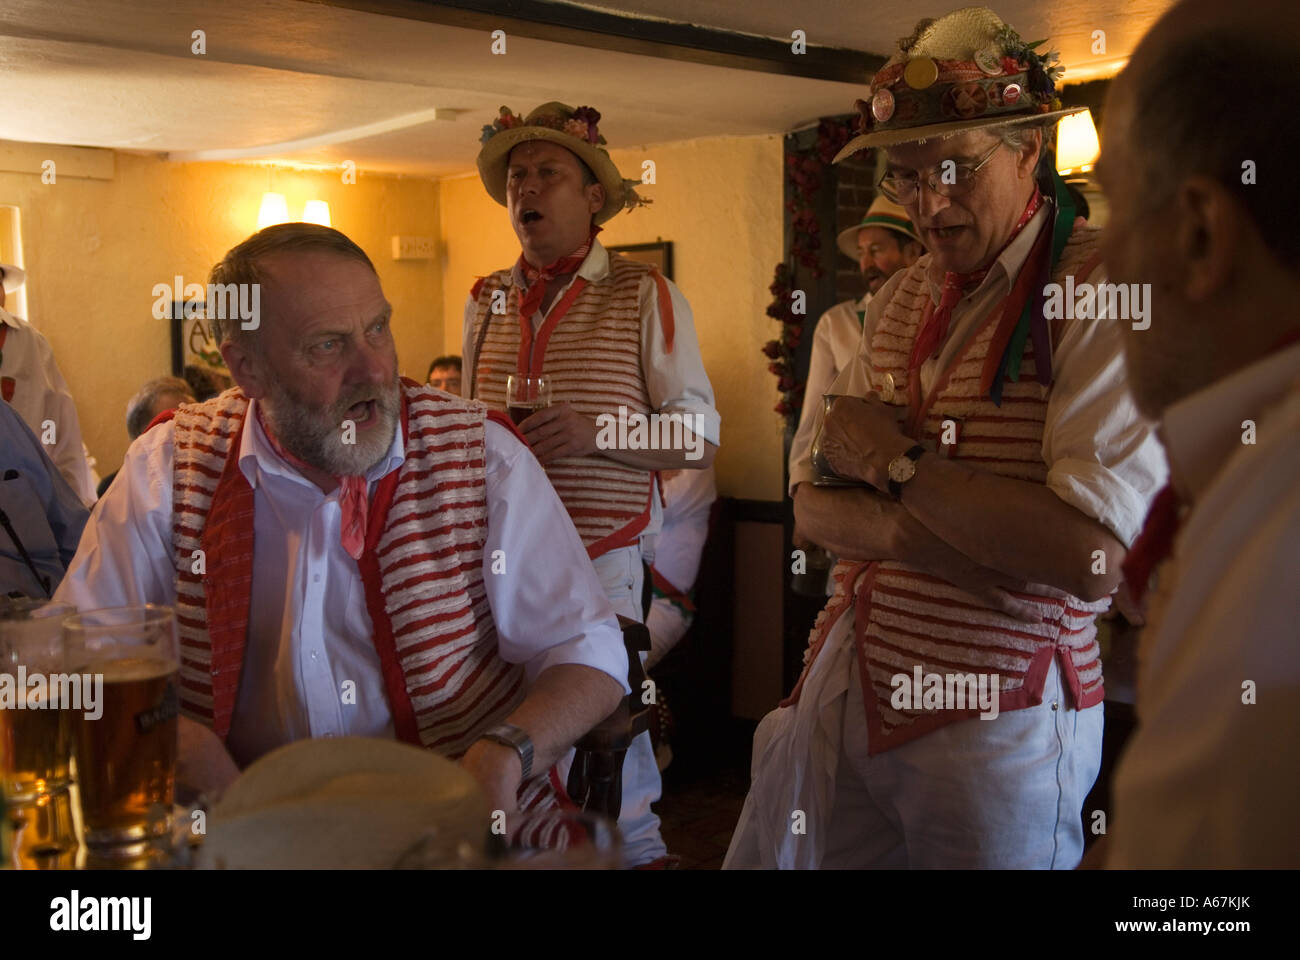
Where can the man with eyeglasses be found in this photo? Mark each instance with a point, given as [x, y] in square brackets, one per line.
[950, 713]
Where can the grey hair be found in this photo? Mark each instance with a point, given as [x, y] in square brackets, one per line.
[140, 409]
[242, 264]
[1015, 137]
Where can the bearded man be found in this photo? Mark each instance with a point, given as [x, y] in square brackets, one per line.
[324, 523]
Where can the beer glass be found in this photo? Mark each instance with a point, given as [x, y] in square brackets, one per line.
[37, 700]
[526, 395]
[126, 758]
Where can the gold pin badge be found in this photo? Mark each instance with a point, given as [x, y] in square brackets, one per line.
[887, 388]
[920, 73]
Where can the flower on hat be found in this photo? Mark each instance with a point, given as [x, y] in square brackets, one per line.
[504, 121]
[588, 117]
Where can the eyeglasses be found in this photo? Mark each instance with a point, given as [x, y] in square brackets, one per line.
[952, 182]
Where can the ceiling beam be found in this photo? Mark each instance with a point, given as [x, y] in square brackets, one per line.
[578, 26]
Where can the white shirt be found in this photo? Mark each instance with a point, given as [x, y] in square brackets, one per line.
[690, 495]
[675, 382]
[1102, 457]
[835, 344]
[40, 394]
[309, 630]
[1209, 780]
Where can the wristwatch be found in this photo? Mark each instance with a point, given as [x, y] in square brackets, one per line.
[902, 469]
[512, 736]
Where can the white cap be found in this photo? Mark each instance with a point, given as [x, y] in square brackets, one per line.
[14, 277]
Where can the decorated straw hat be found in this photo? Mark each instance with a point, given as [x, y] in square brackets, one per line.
[961, 72]
[573, 129]
[883, 213]
[13, 277]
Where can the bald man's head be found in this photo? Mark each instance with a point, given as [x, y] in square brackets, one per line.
[1204, 93]
[1197, 163]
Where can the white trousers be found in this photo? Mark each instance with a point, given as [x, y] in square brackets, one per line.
[622, 576]
[1000, 793]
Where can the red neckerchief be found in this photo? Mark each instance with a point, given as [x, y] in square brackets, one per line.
[352, 497]
[1154, 543]
[536, 278]
[955, 285]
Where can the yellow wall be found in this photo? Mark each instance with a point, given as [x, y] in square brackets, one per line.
[94, 248]
[719, 201]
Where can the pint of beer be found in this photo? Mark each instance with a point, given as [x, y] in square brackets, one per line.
[36, 700]
[126, 757]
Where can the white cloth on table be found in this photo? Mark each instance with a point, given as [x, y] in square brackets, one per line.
[41, 394]
[1209, 779]
[309, 630]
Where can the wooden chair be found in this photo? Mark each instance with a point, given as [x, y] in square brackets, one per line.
[596, 777]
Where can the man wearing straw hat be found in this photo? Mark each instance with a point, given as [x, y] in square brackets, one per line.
[616, 340]
[882, 244]
[950, 713]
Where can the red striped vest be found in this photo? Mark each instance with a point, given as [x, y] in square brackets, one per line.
[590, 347]
[905, 617]
[422, 569]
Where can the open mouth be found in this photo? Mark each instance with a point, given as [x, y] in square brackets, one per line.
[945, 233]
[529, 216]
[362, 412]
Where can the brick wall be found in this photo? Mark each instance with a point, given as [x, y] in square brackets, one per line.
[854, 192]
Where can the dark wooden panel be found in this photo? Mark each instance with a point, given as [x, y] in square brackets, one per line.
[559, 23]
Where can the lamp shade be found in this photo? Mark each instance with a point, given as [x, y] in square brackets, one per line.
[274, 210]
[316, 211]
[1077, 145]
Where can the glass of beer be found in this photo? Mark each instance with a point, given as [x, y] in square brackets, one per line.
[526, 395]
[126, 757]
[37, 697]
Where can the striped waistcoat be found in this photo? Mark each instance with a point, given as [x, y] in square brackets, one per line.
[907, 618]
[422, 571]
[589, 346]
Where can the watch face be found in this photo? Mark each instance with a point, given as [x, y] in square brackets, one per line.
[902, 469]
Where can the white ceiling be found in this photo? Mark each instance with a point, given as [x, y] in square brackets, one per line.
[310, 82]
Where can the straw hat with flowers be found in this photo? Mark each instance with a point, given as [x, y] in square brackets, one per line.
[960, 72]
[575, 130]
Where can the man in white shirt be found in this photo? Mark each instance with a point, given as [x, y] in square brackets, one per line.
[31, 383]
[616, 341]
[1209, 778]
[883, 243]
[366, 535]
[950, 712]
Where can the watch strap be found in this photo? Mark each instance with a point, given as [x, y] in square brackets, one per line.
[913, 454]
[511, 736]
